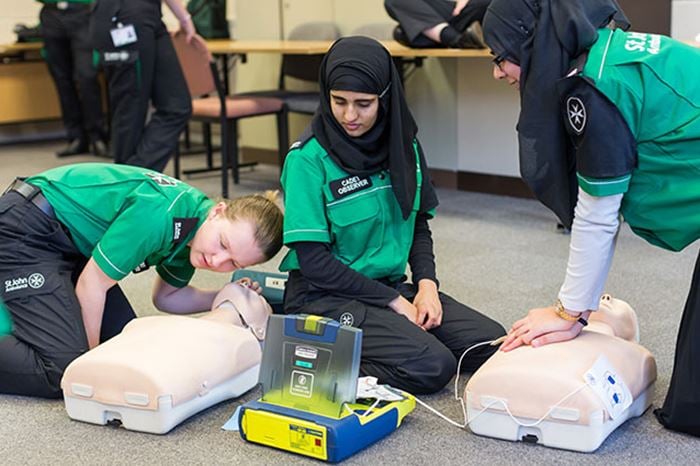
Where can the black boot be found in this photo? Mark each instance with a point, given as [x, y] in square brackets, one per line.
[420, 42]
[99, 148]
[471, 38]
[401, 37]
[74, 147]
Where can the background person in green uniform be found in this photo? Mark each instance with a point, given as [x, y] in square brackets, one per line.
[71, 233]
[357, 202]
[609, 124]
[142, 70]
[68, 53]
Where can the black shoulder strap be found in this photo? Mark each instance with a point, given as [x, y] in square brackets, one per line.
[305, 137]
[605, 146]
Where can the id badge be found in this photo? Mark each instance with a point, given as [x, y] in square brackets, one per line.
[123, 35]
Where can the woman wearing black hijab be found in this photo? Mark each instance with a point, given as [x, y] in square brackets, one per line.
[609, 125]
[358, 198]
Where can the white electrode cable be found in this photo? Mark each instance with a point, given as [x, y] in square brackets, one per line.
[467, 421]
[457, 397]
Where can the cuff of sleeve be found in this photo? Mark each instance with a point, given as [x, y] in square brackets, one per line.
[604, 186]
[389, 298]
[577, 306]
[417, 278]
[295, 236]
[107, 266]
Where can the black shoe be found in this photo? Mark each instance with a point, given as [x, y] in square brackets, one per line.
[401, 37]
[420, 42]
[99, 149]
[74, 147]
[471, 38]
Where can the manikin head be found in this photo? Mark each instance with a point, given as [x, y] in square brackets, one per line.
[244, 308]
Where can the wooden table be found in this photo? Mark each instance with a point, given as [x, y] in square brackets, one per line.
[316, 47]
[16, 49]
[305, 47]
[403, 56]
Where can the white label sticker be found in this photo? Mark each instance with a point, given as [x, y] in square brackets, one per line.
[277, 283]
[609, 387]
[306, 352]
[123, 35]
[302, 384]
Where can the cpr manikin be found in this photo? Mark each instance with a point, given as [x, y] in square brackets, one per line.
[567, 395]
[162, 369]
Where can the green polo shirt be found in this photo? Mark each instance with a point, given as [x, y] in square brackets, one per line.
[654, 81]
[358, 216]
[5, 320]
[125, 216]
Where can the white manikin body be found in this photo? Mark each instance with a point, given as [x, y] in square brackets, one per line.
[532, 382]
[163, 369]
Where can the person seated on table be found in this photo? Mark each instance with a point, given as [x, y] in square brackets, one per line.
[438, 23]
[71, 233]
[358, 197]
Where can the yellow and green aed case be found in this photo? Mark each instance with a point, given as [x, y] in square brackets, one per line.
[308, 405]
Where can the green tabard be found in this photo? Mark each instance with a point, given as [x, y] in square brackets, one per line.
[654, 82]
[123, 216]
[357, 215]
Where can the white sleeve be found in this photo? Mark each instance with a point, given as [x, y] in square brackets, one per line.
[593, 235]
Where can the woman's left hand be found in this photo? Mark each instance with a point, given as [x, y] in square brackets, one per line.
[250, 284]
[459, 6]
[427, 302]
[541, 326]
[187, 26]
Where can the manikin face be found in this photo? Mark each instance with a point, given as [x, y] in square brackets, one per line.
[356, 112]
[222, 245]
[504, 69]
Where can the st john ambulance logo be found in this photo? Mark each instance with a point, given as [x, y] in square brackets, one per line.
[161, 179]
[36, 280]
[347, 319]
[576, 112]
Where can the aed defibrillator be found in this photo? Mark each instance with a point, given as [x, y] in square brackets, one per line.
[309, 372]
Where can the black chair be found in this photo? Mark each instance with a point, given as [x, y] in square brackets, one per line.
[300, 67]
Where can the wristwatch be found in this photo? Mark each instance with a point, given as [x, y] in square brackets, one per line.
[561, 312]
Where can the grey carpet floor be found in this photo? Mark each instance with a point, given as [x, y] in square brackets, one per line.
[498, 254]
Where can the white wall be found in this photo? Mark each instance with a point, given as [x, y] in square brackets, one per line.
[487, 112]
[685, 19]
[466, 120]
[17, 11]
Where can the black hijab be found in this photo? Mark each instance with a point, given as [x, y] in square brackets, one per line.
[361, 64]
[544, 37]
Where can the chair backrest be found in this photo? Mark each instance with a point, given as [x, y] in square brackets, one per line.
[195, 61]
[378, 31]
[305, 67]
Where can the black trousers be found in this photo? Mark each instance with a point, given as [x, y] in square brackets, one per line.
[681, 409]
[150, 74]
[415, 16]
[39, 266]
[68, 53]
[399, 353]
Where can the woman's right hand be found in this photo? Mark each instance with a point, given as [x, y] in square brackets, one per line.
[404, 307]
[542, 326]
